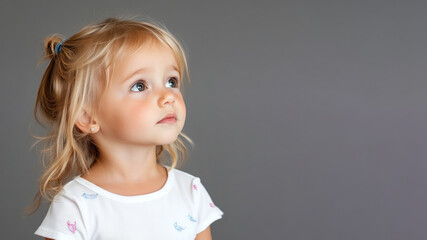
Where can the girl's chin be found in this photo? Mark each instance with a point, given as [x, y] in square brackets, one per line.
[168, 140]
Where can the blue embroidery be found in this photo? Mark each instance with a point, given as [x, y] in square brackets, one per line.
[90, 196]
[191, 218]
[178, 228]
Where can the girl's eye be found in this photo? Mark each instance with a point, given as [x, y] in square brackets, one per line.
[138, 87]
[172, 82]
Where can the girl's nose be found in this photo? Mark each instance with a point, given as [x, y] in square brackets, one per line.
[166, 98]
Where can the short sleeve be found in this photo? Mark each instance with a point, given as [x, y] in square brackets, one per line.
[207, 211]
[63, 220]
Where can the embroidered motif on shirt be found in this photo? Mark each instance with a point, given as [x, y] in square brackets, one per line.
[178, 228]
[72, 227]
[191, 218]
[195, 186]
[212, 205]
[90, 195]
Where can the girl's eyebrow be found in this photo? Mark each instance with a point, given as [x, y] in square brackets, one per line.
[133, 73]
[170, 67]
[173, 67]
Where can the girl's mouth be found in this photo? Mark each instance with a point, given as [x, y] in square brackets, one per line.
[168, 119]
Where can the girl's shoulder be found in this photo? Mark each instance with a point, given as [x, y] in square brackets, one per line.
[185, 179]
[74, 190]
[185, 176]
[206, 211]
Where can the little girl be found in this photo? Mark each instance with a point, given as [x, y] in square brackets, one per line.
[112, 95]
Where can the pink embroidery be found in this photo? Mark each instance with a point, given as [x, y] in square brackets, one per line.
[212, 205]
[194, 186]
[72, 227]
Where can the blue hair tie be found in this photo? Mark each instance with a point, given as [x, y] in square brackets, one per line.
[58, 46]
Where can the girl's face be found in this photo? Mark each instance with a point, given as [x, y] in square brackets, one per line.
[143, 104]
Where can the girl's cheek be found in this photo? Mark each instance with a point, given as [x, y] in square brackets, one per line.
[140, 112]
[180, 99]
[183, 107]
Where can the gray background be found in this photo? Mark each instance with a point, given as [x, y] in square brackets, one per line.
[309, 117]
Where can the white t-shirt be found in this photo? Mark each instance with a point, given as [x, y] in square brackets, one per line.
[179, 210]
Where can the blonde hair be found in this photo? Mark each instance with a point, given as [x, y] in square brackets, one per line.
[74, 78]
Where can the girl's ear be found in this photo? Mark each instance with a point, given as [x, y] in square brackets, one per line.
[86, 123]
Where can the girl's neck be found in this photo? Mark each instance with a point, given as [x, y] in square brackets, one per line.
[125, 165]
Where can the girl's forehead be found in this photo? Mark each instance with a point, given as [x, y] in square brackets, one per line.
[152, 55]
[149, 54]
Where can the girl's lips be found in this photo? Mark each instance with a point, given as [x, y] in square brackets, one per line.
[168, 119]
